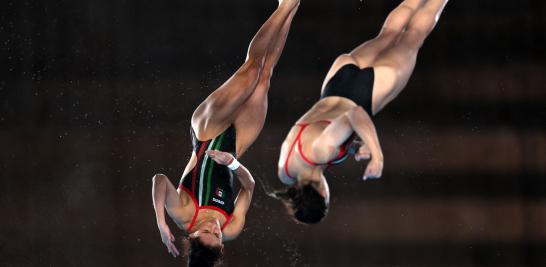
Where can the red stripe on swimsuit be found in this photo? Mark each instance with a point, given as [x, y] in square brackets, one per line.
[210, 184]
[342, 155]
[198, 208]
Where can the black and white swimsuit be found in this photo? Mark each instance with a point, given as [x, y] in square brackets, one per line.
[209, 184]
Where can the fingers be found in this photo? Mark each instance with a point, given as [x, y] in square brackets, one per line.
[171, 247]
[362, 156]
[173, 250]
[213, 153]
[373, 171]
[369, 175]
[168, 238]
[220, 157]
[364, 149]
[216, 155]
[363, 153]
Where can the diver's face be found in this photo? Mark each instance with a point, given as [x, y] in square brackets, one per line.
[210, 233]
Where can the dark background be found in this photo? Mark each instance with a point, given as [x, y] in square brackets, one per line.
[96, 97]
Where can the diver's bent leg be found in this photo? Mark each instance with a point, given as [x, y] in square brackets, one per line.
[394, 66]
[395, 23]
[219, 109]
[251, 117]
[268, 33]
[277, 46]
[365, 54]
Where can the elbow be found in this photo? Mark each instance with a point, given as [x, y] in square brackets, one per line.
[322, 152]
[248, 183]
[357, 116]
[356, 111]
[251, 184]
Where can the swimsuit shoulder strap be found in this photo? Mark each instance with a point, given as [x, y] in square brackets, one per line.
[196, 207]
[300, 147]
[302, 127]
[227, 221]
[306, 159]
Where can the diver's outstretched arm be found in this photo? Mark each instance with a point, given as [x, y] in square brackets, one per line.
[165, 196]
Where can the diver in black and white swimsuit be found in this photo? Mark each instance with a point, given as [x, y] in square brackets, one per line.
[223, 127]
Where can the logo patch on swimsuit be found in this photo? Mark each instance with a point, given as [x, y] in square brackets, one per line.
[218, 201]
[219, 192]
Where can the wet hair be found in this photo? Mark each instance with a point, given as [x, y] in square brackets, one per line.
[304, 203]
[201, 255]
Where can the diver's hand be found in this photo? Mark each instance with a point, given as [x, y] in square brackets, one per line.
[363, 152]
[222, 158]
[374, 169]
[168, 238]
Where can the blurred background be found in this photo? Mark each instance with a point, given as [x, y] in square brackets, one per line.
[96, 97]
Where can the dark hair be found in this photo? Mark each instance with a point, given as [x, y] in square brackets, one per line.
[201, 255]
[304, 203]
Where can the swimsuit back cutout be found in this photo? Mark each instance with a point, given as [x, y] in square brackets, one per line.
[342, 155]
[209, 184]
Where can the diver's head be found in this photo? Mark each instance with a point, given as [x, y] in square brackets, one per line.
[205, 244]
[307, 201]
